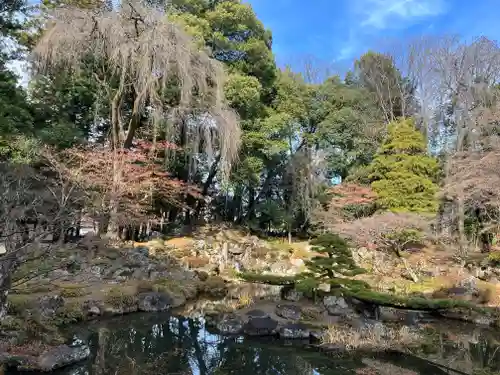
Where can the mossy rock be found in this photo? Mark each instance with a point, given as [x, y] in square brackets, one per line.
[260, 278]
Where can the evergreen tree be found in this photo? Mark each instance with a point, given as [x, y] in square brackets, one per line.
[335, 260]
[402, 174]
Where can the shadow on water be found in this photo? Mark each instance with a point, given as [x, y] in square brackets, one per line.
[168, 345]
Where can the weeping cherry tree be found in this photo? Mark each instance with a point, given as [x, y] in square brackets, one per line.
[152, 77]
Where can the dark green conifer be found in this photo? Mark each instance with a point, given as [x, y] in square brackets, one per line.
[335, 260]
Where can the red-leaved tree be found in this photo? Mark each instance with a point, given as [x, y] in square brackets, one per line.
[126, 187]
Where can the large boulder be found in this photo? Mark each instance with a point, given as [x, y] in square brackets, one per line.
[295, 331]
[51, 359]
[468, 286]
[215, 287]
[92, 308]
[337, 306]
[261, 327]
[154, 302]
[257, 314]
[290, 294]
[230, 325]
[365, 309]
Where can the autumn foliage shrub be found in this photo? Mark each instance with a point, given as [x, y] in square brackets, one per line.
[388, 230]
[345, 201]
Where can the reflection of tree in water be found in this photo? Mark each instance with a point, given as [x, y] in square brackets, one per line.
[156, 345]
[468, 352]
[181, 346]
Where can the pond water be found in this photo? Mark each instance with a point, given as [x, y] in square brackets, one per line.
[156, 344]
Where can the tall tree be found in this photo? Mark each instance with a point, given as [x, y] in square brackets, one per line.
[139, 56]
[395, 94]
[404, 176]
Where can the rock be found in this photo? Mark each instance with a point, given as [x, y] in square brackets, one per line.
[235, 249]
[257, 314]
[154, 302]
[260, 327]
[123, 274]
[324, 287]
[290, 294]
[366, 309]
[294, 331]
[48, 305]
[61, 356]
[469, 285]
[389, 314]
[337, 306]
[256, 291]
[50, 360]
[119, 310]
[202, 275]
[409, 317]
[281, 267]
[230, 325]
[215, 287]
[289, 312]
[92, 308]
[317, 335]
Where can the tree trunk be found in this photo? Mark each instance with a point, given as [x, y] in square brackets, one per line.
[462, 241]
[5, 284]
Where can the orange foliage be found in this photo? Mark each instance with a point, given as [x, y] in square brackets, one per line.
[351, 194]
[341, 196]
[132, 178]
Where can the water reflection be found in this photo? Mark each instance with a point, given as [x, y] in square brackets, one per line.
[165, 345]
[181, 346]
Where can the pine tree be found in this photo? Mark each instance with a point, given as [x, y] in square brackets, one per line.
[335, 260]
[402, 174]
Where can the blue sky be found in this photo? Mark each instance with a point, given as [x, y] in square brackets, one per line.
[337, 31]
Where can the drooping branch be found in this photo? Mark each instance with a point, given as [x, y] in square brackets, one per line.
[147, 55]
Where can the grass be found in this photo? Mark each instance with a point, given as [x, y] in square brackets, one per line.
[244, 300]
[32, 289]
[371, 338]
[19, 304]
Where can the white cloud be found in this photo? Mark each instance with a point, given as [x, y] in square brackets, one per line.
[383, 14]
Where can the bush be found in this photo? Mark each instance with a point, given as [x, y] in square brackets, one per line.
[379, 228]
[73, 291]
[118, 298]
[71, 312]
